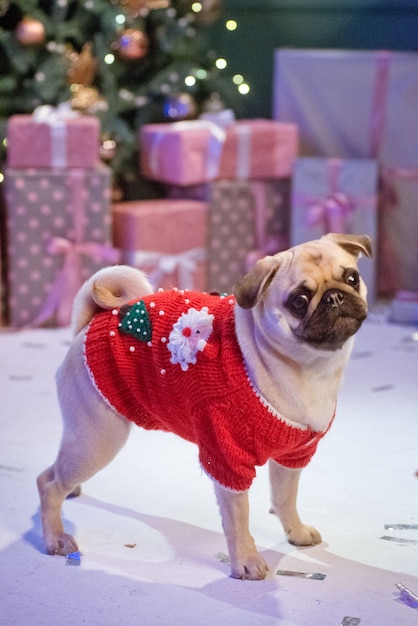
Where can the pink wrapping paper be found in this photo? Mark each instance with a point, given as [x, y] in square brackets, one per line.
[165, 238]
[195, 152]
[182, 153]
[70, 143]
[259, 149]
[398, 231]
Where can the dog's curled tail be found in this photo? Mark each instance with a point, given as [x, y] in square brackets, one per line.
[109, 288]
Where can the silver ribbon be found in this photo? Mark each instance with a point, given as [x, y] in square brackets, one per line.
[243, 151]
[56, 118]
[214, 151]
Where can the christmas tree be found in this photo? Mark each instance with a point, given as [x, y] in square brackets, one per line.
[129, 62]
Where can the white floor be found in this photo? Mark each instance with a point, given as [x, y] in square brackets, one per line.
[148, 526]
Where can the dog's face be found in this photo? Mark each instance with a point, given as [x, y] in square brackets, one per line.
[311, 294]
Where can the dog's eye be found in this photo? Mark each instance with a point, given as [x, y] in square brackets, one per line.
[298, 304]
[352, 278]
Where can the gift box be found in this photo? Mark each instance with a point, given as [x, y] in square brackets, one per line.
[59, 143]
[340, 196]
[259, 149]
[404, 308]
[58, 232]
[195, 152]
[182, 153]
[246, 221]
[398, 231]
[165, 238]
[350, 104]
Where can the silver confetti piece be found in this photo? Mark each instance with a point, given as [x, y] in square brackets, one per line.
[222, 557]
[314, 576]
[401, 526]
[411, 542]
[411, 599]
[350, 621]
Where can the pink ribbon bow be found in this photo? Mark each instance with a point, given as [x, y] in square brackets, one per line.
[69, 279]
[331, 212]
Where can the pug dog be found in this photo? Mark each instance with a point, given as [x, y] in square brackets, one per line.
[250, 378]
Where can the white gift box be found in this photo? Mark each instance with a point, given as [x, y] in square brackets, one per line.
[350, 104]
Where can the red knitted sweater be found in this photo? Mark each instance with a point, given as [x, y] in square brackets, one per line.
[171, 361]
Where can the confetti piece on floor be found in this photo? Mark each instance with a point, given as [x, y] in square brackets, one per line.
[409, 598]
[73, 558]
[350, 621]
[412, 542]
[383, 388]
[401, 526]
[313, 576]
[222, 557]
[362, 355]
[20, 377]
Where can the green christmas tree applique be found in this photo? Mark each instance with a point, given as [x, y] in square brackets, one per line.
[136, 322]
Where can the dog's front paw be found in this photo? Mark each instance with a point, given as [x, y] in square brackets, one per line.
[61, 544]
[304, 536]
[253, 567]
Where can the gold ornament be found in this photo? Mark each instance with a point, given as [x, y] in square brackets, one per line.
[30, 32]
[4, 7]
[80, 77]
[132, 45]
[134, 8]
[82, 66]
[84, 98]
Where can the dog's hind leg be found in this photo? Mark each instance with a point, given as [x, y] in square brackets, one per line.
[93, 435]
[284, 489]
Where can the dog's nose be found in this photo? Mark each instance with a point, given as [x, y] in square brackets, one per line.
[334, 297]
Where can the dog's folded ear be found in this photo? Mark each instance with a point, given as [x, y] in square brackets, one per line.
[353, 244]
[250, 287]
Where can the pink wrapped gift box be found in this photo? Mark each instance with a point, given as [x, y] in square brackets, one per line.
[165, 238]
[58, 232]
[259, 149]
[183, 153]
[61, 144]
[195, 152]
[336, 195]
[398, 231]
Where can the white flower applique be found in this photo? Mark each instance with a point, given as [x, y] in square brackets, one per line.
[189, 336]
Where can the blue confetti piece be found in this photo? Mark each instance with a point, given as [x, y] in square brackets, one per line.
[73, 558]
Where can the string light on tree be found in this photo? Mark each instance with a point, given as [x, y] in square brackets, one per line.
[206, 11]
[231, 25]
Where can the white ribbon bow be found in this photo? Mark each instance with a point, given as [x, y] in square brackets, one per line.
[184, 262]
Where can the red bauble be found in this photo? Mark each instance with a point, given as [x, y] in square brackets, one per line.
[133, 45]
[30, 32]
